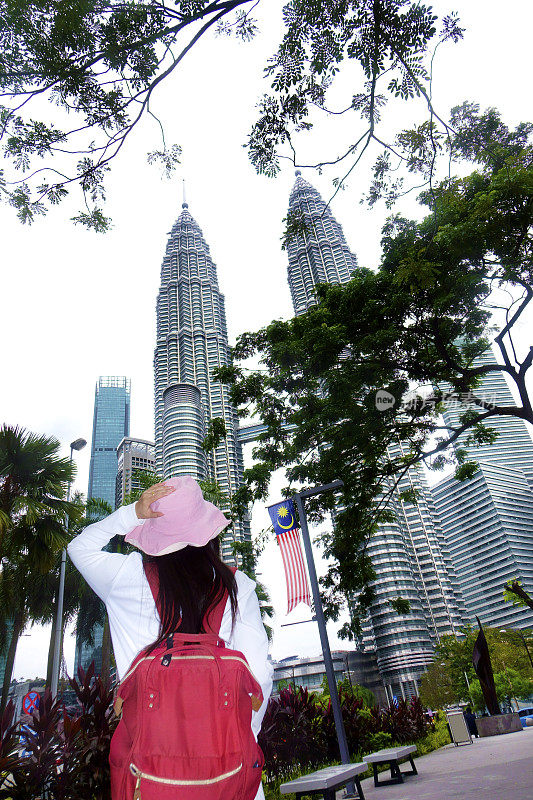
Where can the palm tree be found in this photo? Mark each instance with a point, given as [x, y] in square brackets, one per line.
[33, 509]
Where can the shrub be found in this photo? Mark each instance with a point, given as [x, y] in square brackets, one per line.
[359, 724]
[292, 734]
[68, 754]
[405, 721]
[379, 741]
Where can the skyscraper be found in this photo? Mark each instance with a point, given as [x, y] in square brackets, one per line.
[411, 561]
[488, 525]
[132, 455]
[111, 422]
[192, 340]
[488, 521]
[409, 555]
[319, 253]
[514, 445]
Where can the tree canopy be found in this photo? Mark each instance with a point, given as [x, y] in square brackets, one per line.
[451, 677]
[410, 331]
[77, 78]
[33, 509]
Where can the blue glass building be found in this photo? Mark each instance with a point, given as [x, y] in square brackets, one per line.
[111, 423]
[488, 520]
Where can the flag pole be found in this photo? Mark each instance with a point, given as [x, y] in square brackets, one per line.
[326, 652]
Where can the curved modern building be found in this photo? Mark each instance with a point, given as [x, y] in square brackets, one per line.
[488, 520]
[192, 340]
[411, 561]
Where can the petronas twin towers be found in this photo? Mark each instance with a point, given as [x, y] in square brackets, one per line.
[412, 555]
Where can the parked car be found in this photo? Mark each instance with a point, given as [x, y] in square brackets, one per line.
[526, 714]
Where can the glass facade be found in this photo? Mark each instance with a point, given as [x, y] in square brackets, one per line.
[514, 445]
[488, 524]
[132, 455]
[192, 340]
[111, 422]
[412, 561]
[319, 254]
[488, 520]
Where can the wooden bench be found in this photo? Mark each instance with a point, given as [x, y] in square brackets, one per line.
[326, 781]
[392, 756]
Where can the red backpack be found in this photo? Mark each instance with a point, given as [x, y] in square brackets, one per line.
[185, 728]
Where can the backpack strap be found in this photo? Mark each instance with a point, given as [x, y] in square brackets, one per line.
[212, 620]
[152, 576]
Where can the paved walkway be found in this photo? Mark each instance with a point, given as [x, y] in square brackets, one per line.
[494, 768]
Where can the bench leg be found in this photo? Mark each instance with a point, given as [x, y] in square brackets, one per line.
[359, 788]
[414, 770]
[329, 794]
[395, 772]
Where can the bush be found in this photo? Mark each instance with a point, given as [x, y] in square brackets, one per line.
[298, 733]
[292, 735]
[68, 754]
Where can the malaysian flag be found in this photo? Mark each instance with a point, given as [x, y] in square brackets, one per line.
[288, 537]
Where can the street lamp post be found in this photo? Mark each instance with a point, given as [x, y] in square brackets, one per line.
[77, 444]
[328, 662]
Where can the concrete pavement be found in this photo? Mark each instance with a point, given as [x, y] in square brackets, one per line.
[494, 768]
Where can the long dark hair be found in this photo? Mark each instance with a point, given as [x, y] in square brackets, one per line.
[191, 581]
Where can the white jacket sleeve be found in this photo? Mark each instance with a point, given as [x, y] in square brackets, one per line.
[249, 636]
[98, 567]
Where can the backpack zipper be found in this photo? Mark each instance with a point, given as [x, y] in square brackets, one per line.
[176, 782]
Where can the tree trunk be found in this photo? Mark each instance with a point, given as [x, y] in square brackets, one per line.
[515, 588]
[18, 624]
[106, 651]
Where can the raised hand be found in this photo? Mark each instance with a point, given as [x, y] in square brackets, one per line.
[143, 505]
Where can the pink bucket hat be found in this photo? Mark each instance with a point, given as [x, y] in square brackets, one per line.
[187, 519]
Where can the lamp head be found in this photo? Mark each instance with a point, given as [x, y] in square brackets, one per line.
[78, 444]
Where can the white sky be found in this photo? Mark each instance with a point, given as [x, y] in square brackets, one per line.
[77, 305]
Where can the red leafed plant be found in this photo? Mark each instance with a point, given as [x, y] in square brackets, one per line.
[292, 733]
[66, 756]
[97, 722]
[404, 720]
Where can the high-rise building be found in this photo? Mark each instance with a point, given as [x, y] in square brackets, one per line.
[319, 252]
[409, 555]
[488, 521]
[514, 446]
[488, 525]
[111, 422]
[133, 455]
[412, 562]
[192, 340]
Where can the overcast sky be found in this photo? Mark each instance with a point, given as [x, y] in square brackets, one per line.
[77, 305]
